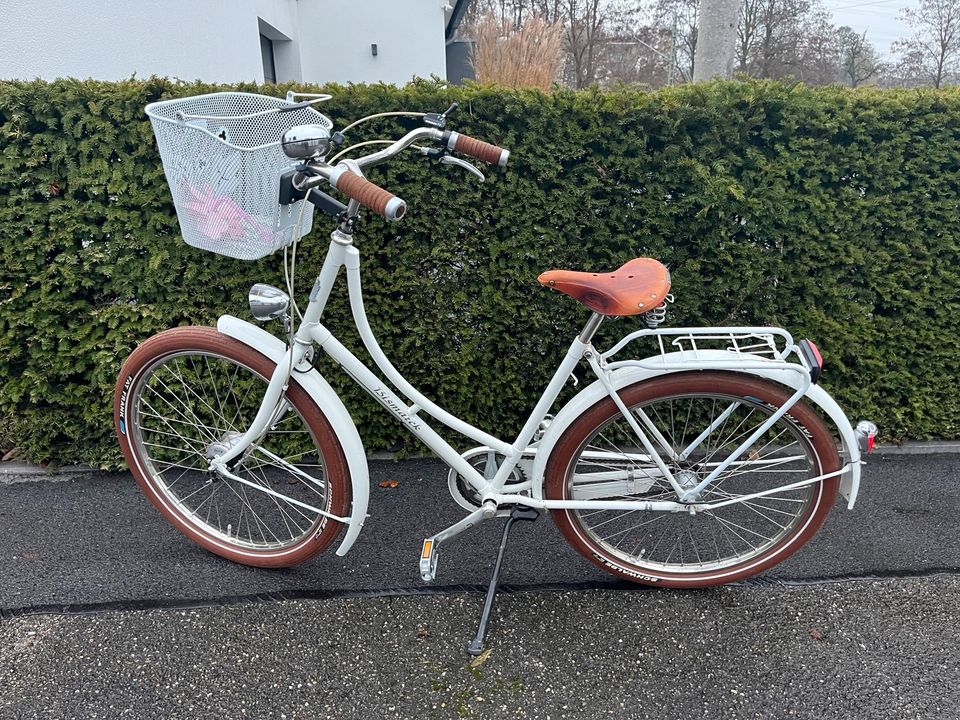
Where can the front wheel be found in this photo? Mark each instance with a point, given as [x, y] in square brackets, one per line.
[182, 398]
[598, 457]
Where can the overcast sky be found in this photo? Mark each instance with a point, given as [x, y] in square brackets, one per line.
[877, 17]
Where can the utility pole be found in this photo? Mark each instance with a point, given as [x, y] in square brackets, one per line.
[716, 39]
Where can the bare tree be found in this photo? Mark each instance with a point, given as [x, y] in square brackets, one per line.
[633, 51]
[679, 18]
[858, 59]
[747, 31]
[773, 34]
[934, 49]
[819, 59]
[907, 71]
[789, 38]
[585, 37]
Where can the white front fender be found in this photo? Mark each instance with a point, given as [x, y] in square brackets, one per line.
[331, 405]
[595, 392]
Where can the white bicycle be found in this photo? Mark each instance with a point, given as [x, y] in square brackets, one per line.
[707, 462]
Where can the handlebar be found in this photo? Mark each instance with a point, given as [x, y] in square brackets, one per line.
[355, 186]
[381, 201]
[477, 148]
[423, 133]
[374, 197]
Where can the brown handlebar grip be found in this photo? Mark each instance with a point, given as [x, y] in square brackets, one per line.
[369, 195]
[478, 149]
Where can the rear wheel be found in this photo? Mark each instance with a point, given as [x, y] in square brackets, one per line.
[182, 398]
[598, 457]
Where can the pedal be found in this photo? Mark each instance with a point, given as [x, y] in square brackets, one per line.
[428, 560]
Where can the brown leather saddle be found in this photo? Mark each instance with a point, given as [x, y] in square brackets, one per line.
[635, 287]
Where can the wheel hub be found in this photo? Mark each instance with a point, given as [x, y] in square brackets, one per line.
[219, 447]
[687, 479]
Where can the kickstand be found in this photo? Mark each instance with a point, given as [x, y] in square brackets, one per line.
[520, 512]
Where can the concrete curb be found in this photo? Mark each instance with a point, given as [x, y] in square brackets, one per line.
[16, 467]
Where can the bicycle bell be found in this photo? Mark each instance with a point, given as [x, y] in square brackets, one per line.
[305, 141]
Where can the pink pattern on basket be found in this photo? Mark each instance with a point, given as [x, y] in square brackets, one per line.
[219, 217]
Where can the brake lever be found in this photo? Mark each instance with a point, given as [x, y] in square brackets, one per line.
[451, 160]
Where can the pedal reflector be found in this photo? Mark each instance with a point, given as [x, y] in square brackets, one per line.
[428, 560]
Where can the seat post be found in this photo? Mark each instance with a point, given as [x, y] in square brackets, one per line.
[586, 335]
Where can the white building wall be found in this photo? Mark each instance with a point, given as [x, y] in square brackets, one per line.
[278, 20]
[218, 40]
[214, 40]
[336, 36]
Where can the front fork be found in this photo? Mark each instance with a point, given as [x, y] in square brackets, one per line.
[272, 408]
[298, 346]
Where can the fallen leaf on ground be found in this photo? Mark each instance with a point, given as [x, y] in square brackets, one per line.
[815, 634]
[388, 483]
[480, 659]
[423, 632]
[10, 454]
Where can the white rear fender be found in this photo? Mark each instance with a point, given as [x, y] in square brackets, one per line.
[333, 408]
[595, 392]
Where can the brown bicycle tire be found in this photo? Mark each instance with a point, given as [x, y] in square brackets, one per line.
[567, 449]
[207, 339]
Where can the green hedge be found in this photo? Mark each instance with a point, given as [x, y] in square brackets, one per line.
[831, 212]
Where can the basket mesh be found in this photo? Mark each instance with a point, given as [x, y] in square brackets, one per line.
[224, 170]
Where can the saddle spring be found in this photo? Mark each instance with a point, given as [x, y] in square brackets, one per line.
[654, 317]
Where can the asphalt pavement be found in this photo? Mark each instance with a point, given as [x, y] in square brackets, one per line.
[819, 636]
[869, 650]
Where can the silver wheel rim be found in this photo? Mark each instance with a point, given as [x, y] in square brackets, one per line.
[710, 542]
[188, 406]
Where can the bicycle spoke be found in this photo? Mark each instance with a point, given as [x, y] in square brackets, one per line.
[174, 421]
[190, 391]
[192, 419]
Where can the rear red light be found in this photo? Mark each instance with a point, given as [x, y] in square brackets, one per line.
[813, 359]
[866, 433]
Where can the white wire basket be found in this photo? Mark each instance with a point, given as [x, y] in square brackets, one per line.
[222, 157]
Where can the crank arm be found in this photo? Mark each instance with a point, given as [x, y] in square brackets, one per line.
[428, 555]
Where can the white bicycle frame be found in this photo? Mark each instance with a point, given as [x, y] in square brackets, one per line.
[753, 350]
